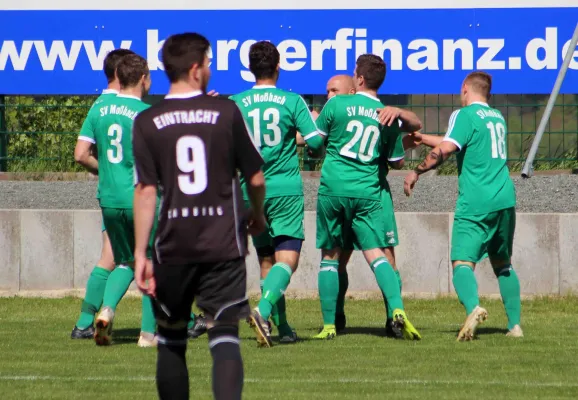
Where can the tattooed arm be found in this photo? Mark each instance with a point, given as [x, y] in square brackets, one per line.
[434, 159]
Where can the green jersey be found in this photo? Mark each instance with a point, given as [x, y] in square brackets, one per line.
[357, 147]
[87, 130]
[274, 117]
[113, 119]
[484, 182]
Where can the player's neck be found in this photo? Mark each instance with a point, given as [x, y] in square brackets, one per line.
[114, 85]
[477, 99]
[183, 88]
[368, 91]
[132, 91]
[266, 82]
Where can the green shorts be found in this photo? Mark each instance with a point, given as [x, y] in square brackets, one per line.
[389, 219]
[119, 224]
[284, 217]
[475, 237]
[103, 227]
[348, 223]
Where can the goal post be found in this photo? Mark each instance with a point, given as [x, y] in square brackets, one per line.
[528, 169]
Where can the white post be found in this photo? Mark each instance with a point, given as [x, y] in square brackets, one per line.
[528, 169]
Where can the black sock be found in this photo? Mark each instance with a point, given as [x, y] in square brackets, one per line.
[172, 373]
[227, 362]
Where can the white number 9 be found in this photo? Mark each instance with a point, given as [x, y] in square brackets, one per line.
[191, 158]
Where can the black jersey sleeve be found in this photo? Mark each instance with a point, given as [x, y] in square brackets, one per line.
[144, 163]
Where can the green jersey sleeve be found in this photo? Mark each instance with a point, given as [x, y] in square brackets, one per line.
[460, 129]
[395, 151]
[325, 119]
[306, 126]
[88, 126]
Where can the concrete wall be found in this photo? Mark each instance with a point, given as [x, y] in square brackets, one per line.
[43, 250]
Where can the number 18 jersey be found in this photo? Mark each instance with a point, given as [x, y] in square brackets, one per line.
[484, 182]
[275, 116]
[113, 120]
[356, 144]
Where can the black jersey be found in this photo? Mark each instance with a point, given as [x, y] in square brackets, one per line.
[192, 146]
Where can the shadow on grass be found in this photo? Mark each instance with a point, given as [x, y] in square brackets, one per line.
[125, 336]
[363, 330]
[487, 330]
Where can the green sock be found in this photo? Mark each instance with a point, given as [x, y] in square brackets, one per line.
[148, 322]
[279, 313]
[93, 297]
[388, 283]
[191, 321]
[388, 309]
[117, 285]
[466, 287]
[399, 279]
[328, 284]
[510, 291]
[343, 286]
[273, 288]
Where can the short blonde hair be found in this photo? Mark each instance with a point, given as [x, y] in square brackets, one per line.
[480, 82]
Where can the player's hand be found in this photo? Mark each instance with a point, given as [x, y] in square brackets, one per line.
[409, 182]
[412, 140]
[213, 93]
[143, 272]
[314, 114]
[388, 115]
[257, 223]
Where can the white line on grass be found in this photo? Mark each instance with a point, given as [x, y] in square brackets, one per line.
[421, 382]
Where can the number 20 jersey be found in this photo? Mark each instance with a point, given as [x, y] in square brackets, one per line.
[275, 116]
[481, 135]
[356, 145]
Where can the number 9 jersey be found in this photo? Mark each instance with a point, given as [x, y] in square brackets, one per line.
[480, 134]
[356, 145]
[191, 146]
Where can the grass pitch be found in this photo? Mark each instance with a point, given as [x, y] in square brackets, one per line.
[38, 360]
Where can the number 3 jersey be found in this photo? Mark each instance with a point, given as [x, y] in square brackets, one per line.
[191, 146]
[356, 145]
[275, 116]
[484, 183]
[111, 124]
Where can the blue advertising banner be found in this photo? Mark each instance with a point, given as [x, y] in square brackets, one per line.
[428, 51]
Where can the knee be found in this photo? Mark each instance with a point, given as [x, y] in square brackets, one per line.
[502, 269]
[222, 333]
[458, 263]
[172, 333]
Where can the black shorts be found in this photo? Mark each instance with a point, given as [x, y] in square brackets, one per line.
[220, 290]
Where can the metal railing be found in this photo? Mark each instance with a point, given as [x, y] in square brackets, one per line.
[38, 134]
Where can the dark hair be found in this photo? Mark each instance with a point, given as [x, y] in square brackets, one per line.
[373, 69]
[180, 52]
[111, 62]
[131, 69]
[481, 82]
[263, 59]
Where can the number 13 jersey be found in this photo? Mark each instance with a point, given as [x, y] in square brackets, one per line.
[484, 183]
[275, 116]
[356, 145]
